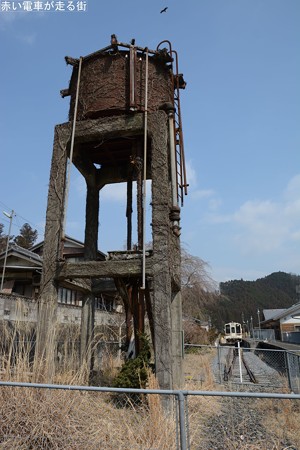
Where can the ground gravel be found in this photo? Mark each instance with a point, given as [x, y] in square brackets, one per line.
[240, 425]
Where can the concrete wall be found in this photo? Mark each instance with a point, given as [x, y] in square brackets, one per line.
[17, 308]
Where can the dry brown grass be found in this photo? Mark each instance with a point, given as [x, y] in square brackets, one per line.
[33, 418]
[198, 371]
[282, 419]
[72, 420]
[199, 376]
[279, 418]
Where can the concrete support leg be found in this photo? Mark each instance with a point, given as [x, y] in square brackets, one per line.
[166, 251]
[91, 244]
[45, 341]
[160, 231]
[177, 341]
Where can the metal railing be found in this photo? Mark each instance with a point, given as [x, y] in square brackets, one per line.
[187, 412]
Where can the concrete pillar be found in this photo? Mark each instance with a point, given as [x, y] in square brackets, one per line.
[166, 252]
[47, 306]
[177, 341]
[160, 232]
[90, 254]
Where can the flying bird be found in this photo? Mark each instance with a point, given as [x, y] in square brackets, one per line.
[164, 10]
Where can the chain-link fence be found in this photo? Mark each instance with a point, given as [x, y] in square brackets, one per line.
[274, 369]
[271, 367]
[47, 416]
[243, 414]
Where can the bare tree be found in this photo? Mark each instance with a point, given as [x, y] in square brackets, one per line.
[198, 287]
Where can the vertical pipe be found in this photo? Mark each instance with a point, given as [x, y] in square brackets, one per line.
[145, 172]
[219, 363]
[71, 151]
[129, 214]
[187, 422]
[172, 158]
[132, 69]
[140, 209]
[240, 361]
[180, 398]
[173, 164]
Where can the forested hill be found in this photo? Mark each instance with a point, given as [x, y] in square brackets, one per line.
[241, 299]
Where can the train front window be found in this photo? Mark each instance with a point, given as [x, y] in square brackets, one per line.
[227, 329]
[238, 328]
[232, 330]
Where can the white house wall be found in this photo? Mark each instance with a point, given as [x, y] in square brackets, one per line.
[14, 308]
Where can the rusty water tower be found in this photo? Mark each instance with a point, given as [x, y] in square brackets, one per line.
[124, 126]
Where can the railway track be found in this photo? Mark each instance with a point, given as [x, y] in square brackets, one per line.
[249, 369]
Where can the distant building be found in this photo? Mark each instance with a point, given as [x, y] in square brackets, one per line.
[22, 286]
[285, 322]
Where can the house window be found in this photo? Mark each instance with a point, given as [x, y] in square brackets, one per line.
[69, 297]
[297, 327]
[7, 312]
[104, 303]
[23, 289]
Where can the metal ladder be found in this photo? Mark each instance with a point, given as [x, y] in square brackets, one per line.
[178, 83]
[179, 146]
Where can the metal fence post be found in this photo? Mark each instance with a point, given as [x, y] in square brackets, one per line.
[287, 364]
[181, 400]
[240, 361]
[219, 363]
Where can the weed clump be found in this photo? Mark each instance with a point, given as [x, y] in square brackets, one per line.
[134, 372]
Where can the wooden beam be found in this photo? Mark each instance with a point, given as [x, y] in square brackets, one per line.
[103, 269]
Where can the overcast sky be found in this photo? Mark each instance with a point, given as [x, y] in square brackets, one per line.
[240, 113]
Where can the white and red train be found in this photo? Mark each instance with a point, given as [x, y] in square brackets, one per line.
[233, 333]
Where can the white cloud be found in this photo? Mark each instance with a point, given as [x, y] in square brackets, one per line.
[27, 38]
[114, 192]
[214, 204]
[292, 190]
[295, 236]
[266, 226]
[259, 236]
[191, 174]
[118, 193]
[6, 17]
[214, 218]
[10, 22]
[202, 193]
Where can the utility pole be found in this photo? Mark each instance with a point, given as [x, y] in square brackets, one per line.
[10, 216]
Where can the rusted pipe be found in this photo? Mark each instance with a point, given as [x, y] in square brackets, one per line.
[132, 79]
[175, 212]
[172, 157]
[145, 171]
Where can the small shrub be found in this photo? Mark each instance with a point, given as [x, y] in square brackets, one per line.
[134, 373]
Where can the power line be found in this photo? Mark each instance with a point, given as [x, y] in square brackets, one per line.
[17, 216]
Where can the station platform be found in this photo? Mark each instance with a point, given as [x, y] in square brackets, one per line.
[279, 345]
